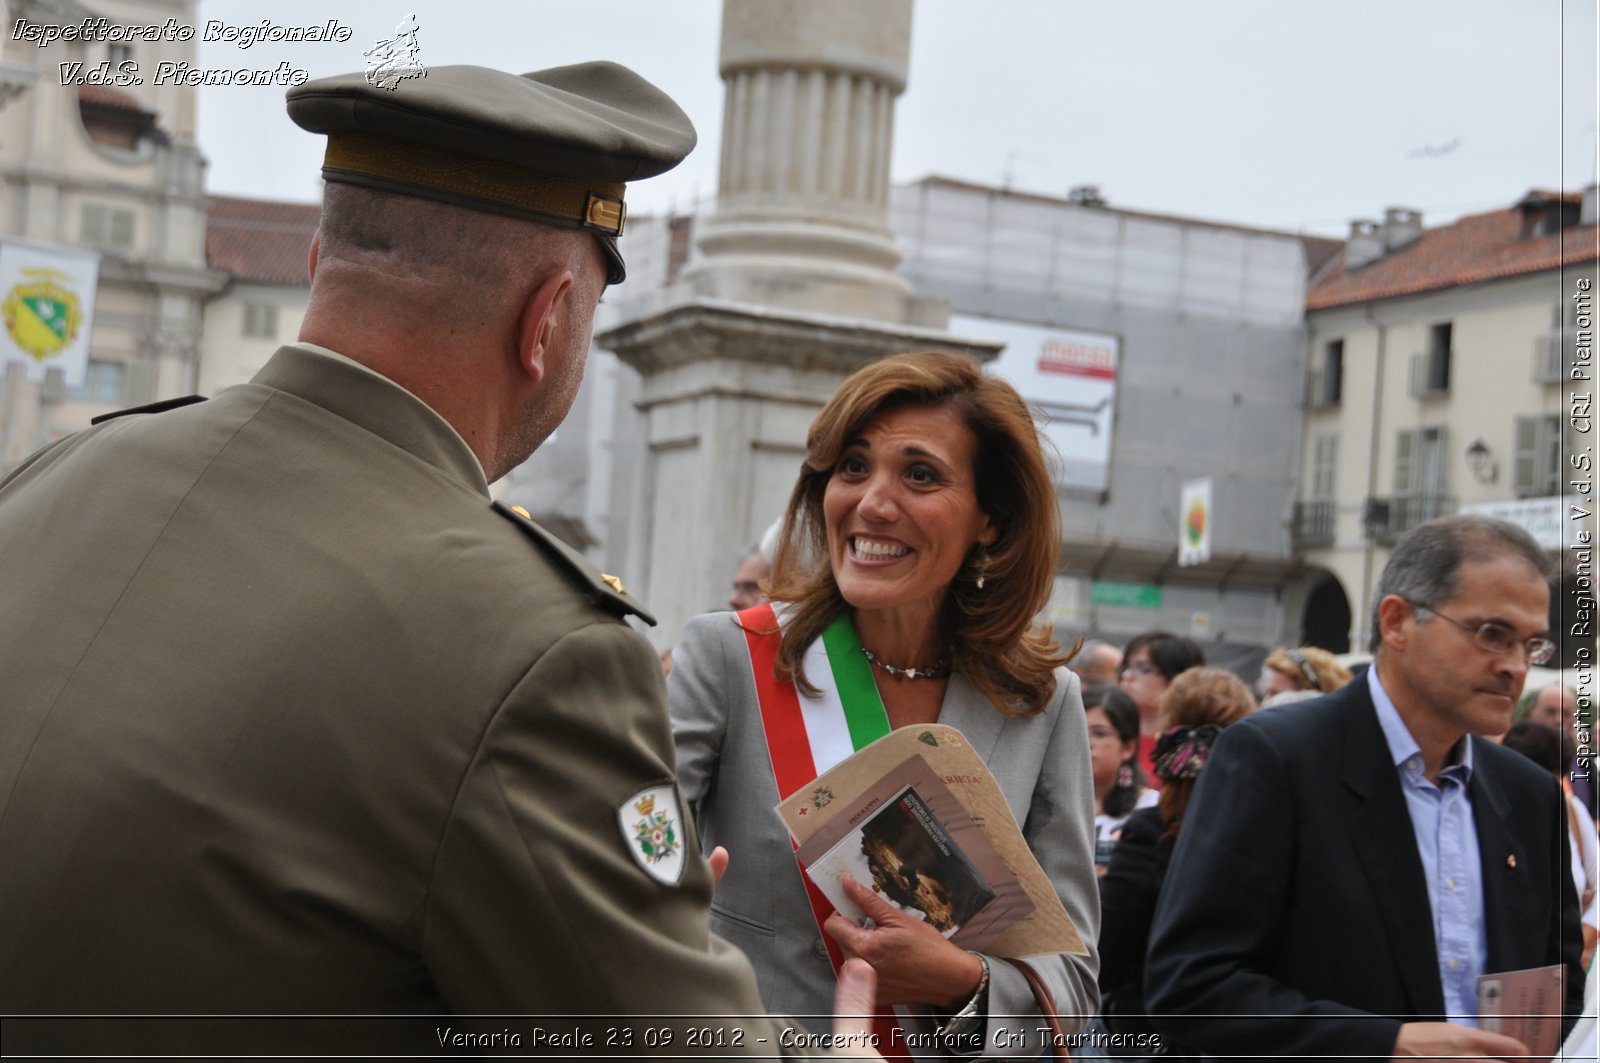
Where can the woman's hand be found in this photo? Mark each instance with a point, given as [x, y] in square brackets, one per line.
[915, 964]
[719, 863]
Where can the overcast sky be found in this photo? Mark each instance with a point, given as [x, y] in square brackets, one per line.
[1290, 115]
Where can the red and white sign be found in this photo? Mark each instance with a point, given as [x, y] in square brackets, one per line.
[1096, 359]
[1070, 379]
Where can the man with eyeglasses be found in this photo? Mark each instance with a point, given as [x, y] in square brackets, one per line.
[1347, 871]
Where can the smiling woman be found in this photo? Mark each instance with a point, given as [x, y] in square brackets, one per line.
[902, 517]
[918, 546]
[929, 448]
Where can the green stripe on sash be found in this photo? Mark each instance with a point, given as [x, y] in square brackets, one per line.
[864, 713]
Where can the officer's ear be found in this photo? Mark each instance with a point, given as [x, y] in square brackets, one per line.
[316, 243]
[541, 320]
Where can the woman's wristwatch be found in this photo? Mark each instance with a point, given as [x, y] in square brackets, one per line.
[969, 1019]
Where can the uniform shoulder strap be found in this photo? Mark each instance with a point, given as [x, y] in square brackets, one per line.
[152, 407]
[603, 590]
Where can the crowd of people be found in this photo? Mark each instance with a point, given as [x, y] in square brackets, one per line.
[314, 727]
[887, 501]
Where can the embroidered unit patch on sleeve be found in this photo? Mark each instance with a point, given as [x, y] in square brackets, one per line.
[652, 830]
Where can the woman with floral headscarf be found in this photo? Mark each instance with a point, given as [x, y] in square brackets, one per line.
[1194, 709]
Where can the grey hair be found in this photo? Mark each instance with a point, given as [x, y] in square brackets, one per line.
[1426, 562]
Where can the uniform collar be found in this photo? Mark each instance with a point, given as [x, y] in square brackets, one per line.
[362, 396]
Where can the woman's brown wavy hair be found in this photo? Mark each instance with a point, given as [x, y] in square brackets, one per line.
[991, 632]
[1195, 698]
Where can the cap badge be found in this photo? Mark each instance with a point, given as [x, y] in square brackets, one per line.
[613, 582]
[605, 213]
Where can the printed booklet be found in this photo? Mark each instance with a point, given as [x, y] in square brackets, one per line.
[918, 818]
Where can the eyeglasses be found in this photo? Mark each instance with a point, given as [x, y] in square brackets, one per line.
[1139, 668]
[1497, 638]
[1103, 734]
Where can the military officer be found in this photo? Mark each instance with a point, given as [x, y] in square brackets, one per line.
[295, 719]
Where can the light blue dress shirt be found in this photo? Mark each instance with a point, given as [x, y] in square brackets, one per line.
[1447, 841]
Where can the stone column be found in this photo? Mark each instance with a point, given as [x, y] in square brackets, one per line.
[808, 127]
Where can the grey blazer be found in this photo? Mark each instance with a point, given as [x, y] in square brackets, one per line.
[1041, 763]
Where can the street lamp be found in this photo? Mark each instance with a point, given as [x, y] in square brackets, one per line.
[1482, 464]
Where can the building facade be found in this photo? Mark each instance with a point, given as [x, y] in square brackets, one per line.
[114, 169]
[1203, 324]
[1329, 394]
[1202, 327]
[1443, 369]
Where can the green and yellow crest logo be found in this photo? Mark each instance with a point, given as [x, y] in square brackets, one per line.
[42, 315]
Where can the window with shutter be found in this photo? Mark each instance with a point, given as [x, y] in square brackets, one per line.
[261, 321]
[1404, 445]
[1324, 466]
[1536, 463]
[103, 381]
[104, 226]
[1432, 462]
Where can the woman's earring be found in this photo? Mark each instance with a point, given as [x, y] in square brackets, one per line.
[1125, 777]
[983, 568]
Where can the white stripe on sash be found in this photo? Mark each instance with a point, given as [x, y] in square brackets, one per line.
[826, 728]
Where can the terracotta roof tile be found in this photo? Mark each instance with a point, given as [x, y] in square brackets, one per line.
[1478, 247]
[261, 240]
[108, 97]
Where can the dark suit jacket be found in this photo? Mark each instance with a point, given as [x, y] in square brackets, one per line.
[1296, 909]
[1128, 892]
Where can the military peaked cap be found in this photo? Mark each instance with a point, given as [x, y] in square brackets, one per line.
[555, 146]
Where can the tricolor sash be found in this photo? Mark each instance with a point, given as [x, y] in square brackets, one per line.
[808, 736]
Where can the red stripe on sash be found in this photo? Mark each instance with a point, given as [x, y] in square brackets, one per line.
[787, 744]
[789, 749]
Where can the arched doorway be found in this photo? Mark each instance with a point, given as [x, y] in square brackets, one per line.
[1325, 621]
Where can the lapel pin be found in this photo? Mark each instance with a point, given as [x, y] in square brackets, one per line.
[1511, 861]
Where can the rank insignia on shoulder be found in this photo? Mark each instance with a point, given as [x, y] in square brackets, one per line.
[652, 830]
[604, 589]
[154, 407]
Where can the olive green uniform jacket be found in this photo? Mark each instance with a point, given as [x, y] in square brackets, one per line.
[295, 720]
